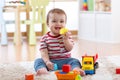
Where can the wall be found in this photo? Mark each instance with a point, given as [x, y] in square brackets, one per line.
[116, 20]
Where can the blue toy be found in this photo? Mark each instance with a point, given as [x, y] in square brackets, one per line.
[55, 67]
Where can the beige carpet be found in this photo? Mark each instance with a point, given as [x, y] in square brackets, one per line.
[17, 71]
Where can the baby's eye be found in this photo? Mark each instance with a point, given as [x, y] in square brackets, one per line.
[61, 21]
[53, 21]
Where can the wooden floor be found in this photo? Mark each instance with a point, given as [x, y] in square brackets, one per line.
[12, 53]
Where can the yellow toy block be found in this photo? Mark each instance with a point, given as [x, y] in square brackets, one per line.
[63, 30]
[78, 77]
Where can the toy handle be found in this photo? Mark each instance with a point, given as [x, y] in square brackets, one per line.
[95, 57]
[55, 67]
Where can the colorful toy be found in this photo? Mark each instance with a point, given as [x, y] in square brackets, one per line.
[66, 68]
[85, 5]
[78, 77]
[89, 64]
[55, 67]
[20, 1]
[117, 70]
[63, 30]
[68, 75]
[29, 77]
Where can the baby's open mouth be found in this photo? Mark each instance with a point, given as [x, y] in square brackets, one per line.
[57, 28]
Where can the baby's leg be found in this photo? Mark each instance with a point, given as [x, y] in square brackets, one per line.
[42, 71]
[82, 73]
[75, 63]
[40, 67]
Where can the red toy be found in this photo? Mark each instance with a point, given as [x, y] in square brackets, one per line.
[29, 77]
[117, 70]
[85, 5]
[66, 68]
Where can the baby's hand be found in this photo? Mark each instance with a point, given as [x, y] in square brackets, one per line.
[65, 33]
[50, 65]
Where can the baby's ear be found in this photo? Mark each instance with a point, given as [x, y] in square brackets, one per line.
[47, 24]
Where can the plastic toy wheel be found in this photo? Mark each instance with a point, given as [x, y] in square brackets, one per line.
[96, 65]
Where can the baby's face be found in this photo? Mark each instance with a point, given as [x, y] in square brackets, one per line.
[56, 22]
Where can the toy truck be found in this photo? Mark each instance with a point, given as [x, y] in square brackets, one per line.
[89, 64]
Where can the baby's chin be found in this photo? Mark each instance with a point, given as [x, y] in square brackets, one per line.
[55, 34]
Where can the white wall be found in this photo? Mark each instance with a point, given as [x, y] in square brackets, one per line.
[116, 20]
[71, 9]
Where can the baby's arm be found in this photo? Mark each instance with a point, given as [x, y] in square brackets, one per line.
[66, 38]
[45, 57]
[67, 41]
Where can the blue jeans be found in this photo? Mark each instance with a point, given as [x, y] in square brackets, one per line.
[39, 63]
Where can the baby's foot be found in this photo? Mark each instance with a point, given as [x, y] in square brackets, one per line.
[42, 71]
[82, 73]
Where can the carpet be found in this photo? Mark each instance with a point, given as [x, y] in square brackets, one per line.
[17, 71]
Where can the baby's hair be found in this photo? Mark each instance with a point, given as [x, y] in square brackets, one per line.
[55, 10]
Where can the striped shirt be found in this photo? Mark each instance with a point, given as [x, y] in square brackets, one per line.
[55, 46]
